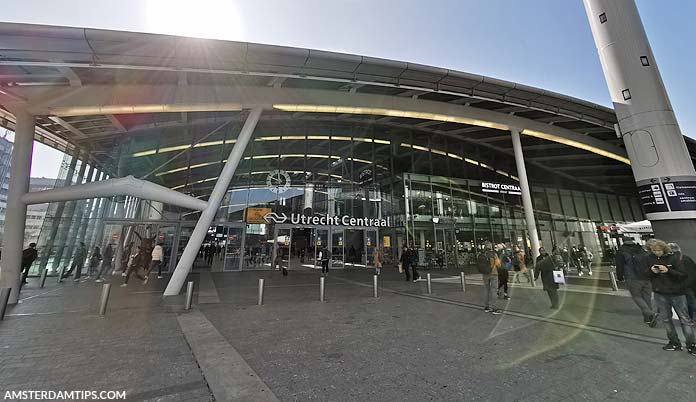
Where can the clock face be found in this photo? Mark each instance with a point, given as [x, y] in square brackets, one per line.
[278, 181]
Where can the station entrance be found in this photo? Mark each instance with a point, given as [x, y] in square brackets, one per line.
[302, 247]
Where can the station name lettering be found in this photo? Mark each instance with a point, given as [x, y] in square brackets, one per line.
[345, 220]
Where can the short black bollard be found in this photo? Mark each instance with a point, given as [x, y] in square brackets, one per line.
[44, 274]
[106, 290]
[4, 298]
[189, 295]
[461, 277]
[430, 286]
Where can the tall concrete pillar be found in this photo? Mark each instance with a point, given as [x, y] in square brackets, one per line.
[20, 170]
[661, 164]
[183, 267]
[526, 193]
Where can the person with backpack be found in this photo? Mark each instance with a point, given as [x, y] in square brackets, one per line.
[488, 264]
[94, 261]
[503, 273]
[629, 268]
[106, 262]
[544, 269]
[324, 257]
[414, 263]
[29, 254]
[78, 262]
[669, 279]
[519, 264]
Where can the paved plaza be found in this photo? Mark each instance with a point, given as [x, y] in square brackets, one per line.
[406, 345]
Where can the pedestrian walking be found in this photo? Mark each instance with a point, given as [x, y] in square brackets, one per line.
[106, 262]
[414, 264]
[406, 262]
[690, 267]
[488, 265]
[279, 264]
[669, 280]
[78, 262]
[544, 268]
[519, 263]
[378, 258]
[503, 273]
[155, 262]
[325, 257]
[29, 254]
[94, 261]
[629, 268]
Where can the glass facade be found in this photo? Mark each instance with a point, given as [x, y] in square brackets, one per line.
[392, 188]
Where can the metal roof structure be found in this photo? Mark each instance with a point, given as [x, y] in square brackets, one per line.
[91, 88]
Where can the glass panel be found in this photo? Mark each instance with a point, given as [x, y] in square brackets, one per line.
[258, 246]
[355, 248]
[321, 240]
[282, 249]
[337, 249]
[233, 248]
[166, 239]
[302, 250]
[370, 246]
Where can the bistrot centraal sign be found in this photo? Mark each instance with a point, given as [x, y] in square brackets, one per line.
[500, 188]
[323, 220]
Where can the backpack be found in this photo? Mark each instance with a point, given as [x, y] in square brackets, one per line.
[483, 264]
[515, 259]
[506, 262]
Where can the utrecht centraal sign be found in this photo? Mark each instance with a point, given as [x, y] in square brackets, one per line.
[323, 220]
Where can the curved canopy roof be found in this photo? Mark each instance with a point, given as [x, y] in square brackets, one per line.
[93, 88]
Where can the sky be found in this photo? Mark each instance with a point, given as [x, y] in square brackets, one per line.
[542, 43]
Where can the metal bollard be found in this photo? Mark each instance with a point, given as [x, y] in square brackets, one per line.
[531, 277]
[60, 274]
[614, 284]
[106, 290]
[261, 282]
[189, 295]
[375, 292]
[430, 287]
[43, 277]
[461, 277]
[321, 289]
[4, 298]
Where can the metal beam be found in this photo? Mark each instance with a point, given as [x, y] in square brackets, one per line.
[123, 186]
[116, 122]
[68, 127]
[183, 267]
[69, 73]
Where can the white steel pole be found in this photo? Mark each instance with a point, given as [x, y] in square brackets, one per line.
[20, 168]
[661, 164]
[183, 267]
[526, 193]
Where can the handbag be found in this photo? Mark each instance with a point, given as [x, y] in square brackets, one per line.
[558, 277]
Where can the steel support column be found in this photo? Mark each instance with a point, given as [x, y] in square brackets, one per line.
[189, 255]
[660, 160]
[526, 193]
[20, 170]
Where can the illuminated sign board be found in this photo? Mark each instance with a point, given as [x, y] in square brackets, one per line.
[500, 188]
[323, 220]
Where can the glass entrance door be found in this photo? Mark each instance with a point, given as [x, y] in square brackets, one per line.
[321, 240]
[281, 255]
[302, 249]
[337, 248]
[371, 242]
[233, 248]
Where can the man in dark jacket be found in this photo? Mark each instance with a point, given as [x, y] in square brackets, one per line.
[690, 268]
[629, 268]
[29, 254]
[544, 268]
[668, 280]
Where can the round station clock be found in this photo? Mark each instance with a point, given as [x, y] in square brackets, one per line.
[278, 181]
